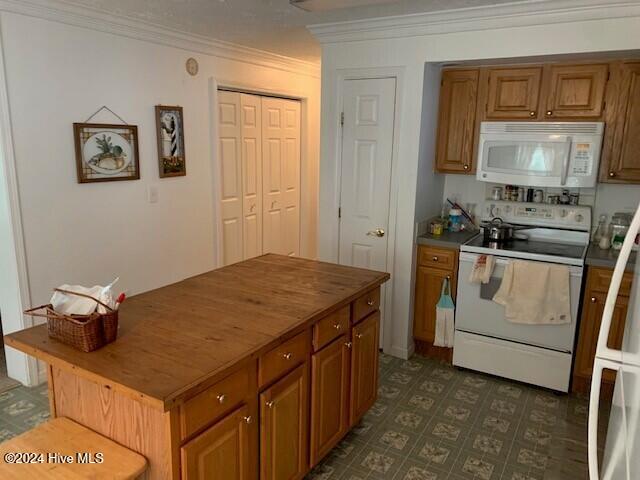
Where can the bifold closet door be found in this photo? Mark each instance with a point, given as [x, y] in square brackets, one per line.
[281, 176]
[240, 152]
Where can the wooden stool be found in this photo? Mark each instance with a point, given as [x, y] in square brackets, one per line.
[49, 442]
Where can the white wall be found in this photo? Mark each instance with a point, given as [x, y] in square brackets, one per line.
[411, 53]
[58, 74]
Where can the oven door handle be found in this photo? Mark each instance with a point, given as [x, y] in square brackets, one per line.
[565, 162]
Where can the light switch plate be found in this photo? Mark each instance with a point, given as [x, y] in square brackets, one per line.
[152, 194]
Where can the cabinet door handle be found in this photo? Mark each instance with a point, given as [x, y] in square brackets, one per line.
[247, 419]
[221, 398]
[532, 114]
[465, 167]
[287, 356]
[370, 302]
[358, 335]
[549, 113]
[348, 344]
[594, 299]
[337, 326]
[434, 258]
[612, 174]
[269, 404]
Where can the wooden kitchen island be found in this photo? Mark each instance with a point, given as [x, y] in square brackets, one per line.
[255, 370]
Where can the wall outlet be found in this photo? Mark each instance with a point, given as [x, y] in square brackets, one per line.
[152, 194]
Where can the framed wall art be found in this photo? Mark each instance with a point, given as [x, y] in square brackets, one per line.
[170, 130]
[106, 153]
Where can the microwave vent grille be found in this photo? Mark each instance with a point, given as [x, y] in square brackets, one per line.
[561, 128]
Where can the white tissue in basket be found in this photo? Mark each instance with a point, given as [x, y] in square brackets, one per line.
[78, 305]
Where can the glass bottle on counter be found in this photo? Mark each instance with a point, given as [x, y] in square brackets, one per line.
[601, 230]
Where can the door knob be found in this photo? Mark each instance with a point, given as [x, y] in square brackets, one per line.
[378, 232]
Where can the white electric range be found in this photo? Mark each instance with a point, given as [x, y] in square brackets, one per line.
[484, 340]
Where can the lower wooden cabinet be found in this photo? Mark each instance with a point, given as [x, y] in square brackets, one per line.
[329, 397]
[223, 452]
[364, 366]
[594, 298]
[430, 276]
[284, 420]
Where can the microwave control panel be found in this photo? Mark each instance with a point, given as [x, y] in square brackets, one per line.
[559, 216]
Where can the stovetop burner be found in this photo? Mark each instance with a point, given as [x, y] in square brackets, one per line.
[535, 247]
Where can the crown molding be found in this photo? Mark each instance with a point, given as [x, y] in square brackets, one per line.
[100, 20]
[517, 14]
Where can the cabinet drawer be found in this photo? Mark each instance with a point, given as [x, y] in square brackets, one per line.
[366, 304]
[600, 279]
[217, 400]
[283, 358]
[437, 258]
[330, 327]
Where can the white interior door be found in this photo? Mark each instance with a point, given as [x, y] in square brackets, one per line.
[230, 163]
[367, 150]
[281, 176]
[251, 129]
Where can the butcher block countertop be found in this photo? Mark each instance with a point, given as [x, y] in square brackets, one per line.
[181, 338]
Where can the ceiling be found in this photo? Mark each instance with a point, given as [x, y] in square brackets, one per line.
[271, 25]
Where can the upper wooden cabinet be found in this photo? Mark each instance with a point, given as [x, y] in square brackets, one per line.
[575, 91]
[620, 161]
[284, 421]
[513, 93]
[456, 121]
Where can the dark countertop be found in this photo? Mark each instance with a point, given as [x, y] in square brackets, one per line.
[446, 240]
[606, 258]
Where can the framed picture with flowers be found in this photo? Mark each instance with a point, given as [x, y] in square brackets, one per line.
[170, 131]
[106, 153]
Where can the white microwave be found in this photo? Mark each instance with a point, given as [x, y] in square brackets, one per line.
[540, 154]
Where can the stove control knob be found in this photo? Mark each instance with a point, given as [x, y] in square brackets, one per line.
[563, 212]
[579, 217]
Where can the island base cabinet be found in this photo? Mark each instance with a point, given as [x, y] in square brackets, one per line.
[329, 397]
[364, 366]
[223, 452]
[284, 437]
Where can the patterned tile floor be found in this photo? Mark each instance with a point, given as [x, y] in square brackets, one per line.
[431, 422]
[435, 422]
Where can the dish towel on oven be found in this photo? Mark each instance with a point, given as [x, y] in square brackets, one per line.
[535, 293]
[445, 312]
[482, 269]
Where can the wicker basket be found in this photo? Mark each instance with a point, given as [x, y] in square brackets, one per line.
[84, 332]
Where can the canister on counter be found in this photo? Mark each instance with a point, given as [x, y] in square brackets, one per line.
[538, 196]
[574, 199]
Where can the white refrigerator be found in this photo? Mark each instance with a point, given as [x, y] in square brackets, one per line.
[621, 460]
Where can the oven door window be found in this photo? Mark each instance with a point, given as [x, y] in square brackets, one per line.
[538, 158]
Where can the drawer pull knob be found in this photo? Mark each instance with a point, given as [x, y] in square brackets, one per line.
[612, 174]
[287, 356]
[549, 113]
[435, 259]
[594, 299]
[370, 302]
[221, 398]
[247, 419]
[269, 404]
[348, 344]
[337, 326]
[358, 335]
[465, 166]
[532, 114]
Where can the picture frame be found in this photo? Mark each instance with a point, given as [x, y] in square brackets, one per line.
[106, 152]
[170, 132]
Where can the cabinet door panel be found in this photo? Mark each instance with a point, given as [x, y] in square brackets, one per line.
[621, 151]
[428, 290]
[329, 397]
[284, 437]
[456, 121]
[575, 91]
[590, 328]
[364, 366]
[222, 452]
[513, 93]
